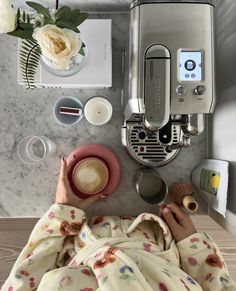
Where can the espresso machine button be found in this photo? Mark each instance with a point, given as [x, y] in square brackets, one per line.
[190, 65]
[181, 90]
[200, 90]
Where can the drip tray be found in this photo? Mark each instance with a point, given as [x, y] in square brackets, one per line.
[146, 148]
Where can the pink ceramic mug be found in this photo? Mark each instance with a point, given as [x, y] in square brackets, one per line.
[93, 173]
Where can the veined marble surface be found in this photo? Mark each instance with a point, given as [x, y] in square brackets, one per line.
[30, 190]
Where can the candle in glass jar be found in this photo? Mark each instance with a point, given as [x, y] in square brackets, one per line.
[98, 111]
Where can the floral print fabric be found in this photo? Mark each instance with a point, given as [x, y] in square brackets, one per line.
[202, 259]
[65, 252]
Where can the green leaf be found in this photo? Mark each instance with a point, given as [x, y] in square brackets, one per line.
[83, 44]
[38, 50]
[68, 25]
[74, 15]
[39, 8]
[24, 31]
[34, 56]
[24, 16]
[18, 14]
[24, 34]
[31, 42]
[24, 52]
[31, 74]
[31, 68]
[48, 20]
[29, 60]
[63, 12]
[27, 26]
[77, 19]
[82, 52]
[74, 18]
[33, 63]
[22, 62]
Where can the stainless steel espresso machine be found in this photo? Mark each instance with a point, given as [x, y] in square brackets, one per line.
[171, 77]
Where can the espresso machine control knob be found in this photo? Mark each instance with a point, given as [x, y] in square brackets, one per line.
[181, 90]
[200, 90]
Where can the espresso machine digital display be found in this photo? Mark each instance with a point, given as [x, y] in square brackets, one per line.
[190, 66]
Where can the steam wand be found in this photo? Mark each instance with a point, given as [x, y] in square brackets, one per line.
[184, 143]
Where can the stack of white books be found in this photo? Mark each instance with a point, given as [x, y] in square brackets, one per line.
[97, 70]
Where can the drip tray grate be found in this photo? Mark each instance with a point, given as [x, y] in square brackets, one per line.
[147, 149]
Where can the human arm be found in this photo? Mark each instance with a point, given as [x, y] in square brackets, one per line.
[199, 255]
[47, 238]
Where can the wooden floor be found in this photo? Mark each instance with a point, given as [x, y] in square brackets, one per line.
[14, 234]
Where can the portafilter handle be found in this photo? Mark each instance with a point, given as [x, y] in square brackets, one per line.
[157, 87]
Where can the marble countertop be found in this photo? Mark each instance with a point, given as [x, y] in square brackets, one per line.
[30, 190]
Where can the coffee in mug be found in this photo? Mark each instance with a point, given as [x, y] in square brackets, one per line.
[90, 175]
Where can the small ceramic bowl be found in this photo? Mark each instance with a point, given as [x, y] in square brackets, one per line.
[94, 175]
[68, 101]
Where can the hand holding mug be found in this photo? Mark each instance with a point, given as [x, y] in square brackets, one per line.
[65, 195]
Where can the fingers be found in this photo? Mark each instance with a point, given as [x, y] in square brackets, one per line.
[180, 215]
[66, 165]
[71, 163]
[162, 206]
[170, 220]
[179, 222]
[63, 173]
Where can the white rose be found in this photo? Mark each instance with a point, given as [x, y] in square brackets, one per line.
[7, 17]
[58, 45]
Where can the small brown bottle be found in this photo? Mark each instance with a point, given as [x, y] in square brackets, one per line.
[182, 194]
[189, 203]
